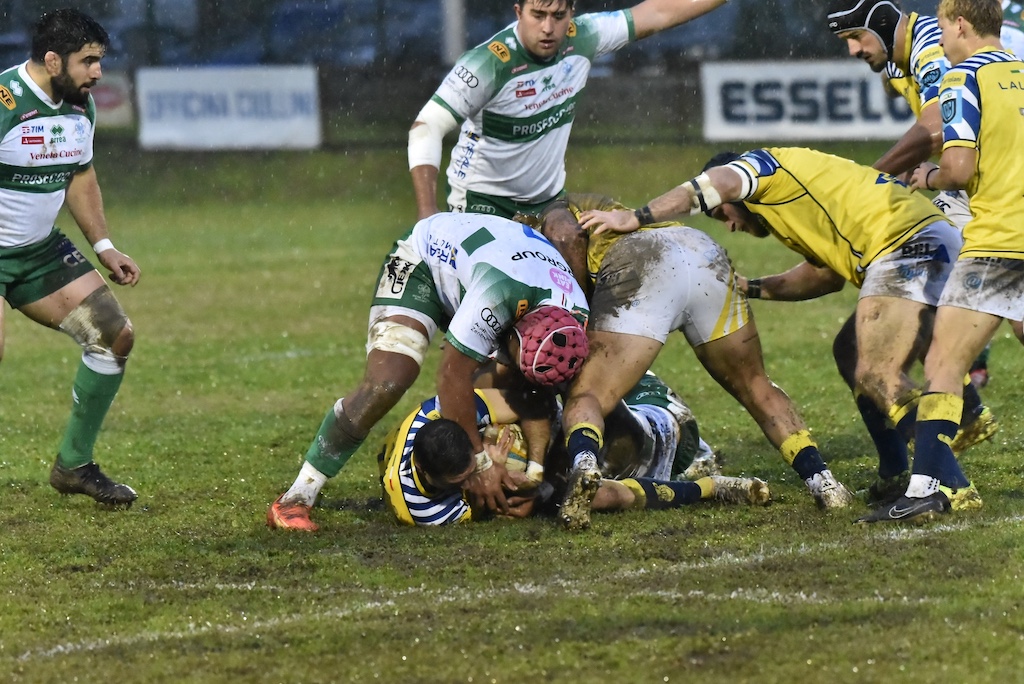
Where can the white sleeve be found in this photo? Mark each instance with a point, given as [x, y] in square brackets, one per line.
[748, 180]
[427, 133]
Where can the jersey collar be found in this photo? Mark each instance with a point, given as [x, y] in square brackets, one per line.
[34, 87]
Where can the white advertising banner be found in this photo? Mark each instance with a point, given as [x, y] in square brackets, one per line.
[113, 98]
[207, 108]
[822, 100]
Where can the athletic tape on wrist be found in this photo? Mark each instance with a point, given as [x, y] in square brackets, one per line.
[483, 462]
[534, 471]
[644, 216]
[102, 245]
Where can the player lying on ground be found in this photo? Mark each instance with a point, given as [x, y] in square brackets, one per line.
[426, 460]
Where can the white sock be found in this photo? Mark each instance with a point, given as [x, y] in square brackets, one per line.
[921, 486]
[586, 460]
[306, 487]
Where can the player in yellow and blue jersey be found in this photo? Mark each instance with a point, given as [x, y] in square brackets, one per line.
[982, 102]
[426, 460]
[905, 49]
[645, 286]
[851, 224]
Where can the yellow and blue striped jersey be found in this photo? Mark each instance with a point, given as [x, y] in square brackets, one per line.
[412, 500]
[833, 211]
[917, 73]
[982, 101]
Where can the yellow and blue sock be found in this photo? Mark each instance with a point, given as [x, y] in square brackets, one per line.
[938, 419]
[801, 452]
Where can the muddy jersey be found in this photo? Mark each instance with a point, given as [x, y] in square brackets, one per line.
[598, 245]
[982, 105]
[518, 111]
[916, 74]
[487, 272]
[833, 211]
[43, 144]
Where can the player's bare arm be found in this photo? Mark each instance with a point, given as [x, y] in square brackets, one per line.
[652, 16]
[85, 202]
[424, 187]
[458, 403]
[716, 186]
[917, 145]
[803, 281]
[953, 172]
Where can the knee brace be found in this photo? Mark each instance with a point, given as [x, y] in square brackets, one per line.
[396, 338]
[95, 325]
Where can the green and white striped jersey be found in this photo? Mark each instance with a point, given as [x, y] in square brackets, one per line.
[518, 111]
[42, 147]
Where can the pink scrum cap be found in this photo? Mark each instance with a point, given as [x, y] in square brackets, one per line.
[552, 345]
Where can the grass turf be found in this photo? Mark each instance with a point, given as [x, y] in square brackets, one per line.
[250, 319]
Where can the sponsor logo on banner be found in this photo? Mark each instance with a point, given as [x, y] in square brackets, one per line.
[821, 100]
[32, 140]
[257, 107]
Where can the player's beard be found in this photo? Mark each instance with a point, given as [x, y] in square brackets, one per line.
[65, 89]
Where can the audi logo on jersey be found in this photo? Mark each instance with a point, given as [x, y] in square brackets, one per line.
[467, 76]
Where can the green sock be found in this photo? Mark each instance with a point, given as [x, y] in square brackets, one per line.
[93, 395]
[332, 446]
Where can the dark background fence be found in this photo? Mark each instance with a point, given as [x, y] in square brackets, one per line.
[406, 35]
[379, 60]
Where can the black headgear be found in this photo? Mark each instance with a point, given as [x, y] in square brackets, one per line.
[720, 159]
[879, 17]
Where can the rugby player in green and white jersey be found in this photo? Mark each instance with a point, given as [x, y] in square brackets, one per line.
[496, 287]
[515, 96]
[46, 152]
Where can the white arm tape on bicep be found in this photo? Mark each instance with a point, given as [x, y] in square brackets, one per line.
[704, 195]
[425, 137]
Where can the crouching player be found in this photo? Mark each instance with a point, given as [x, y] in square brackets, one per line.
[426, 461]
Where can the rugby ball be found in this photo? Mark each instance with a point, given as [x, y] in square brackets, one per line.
[517, 452]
